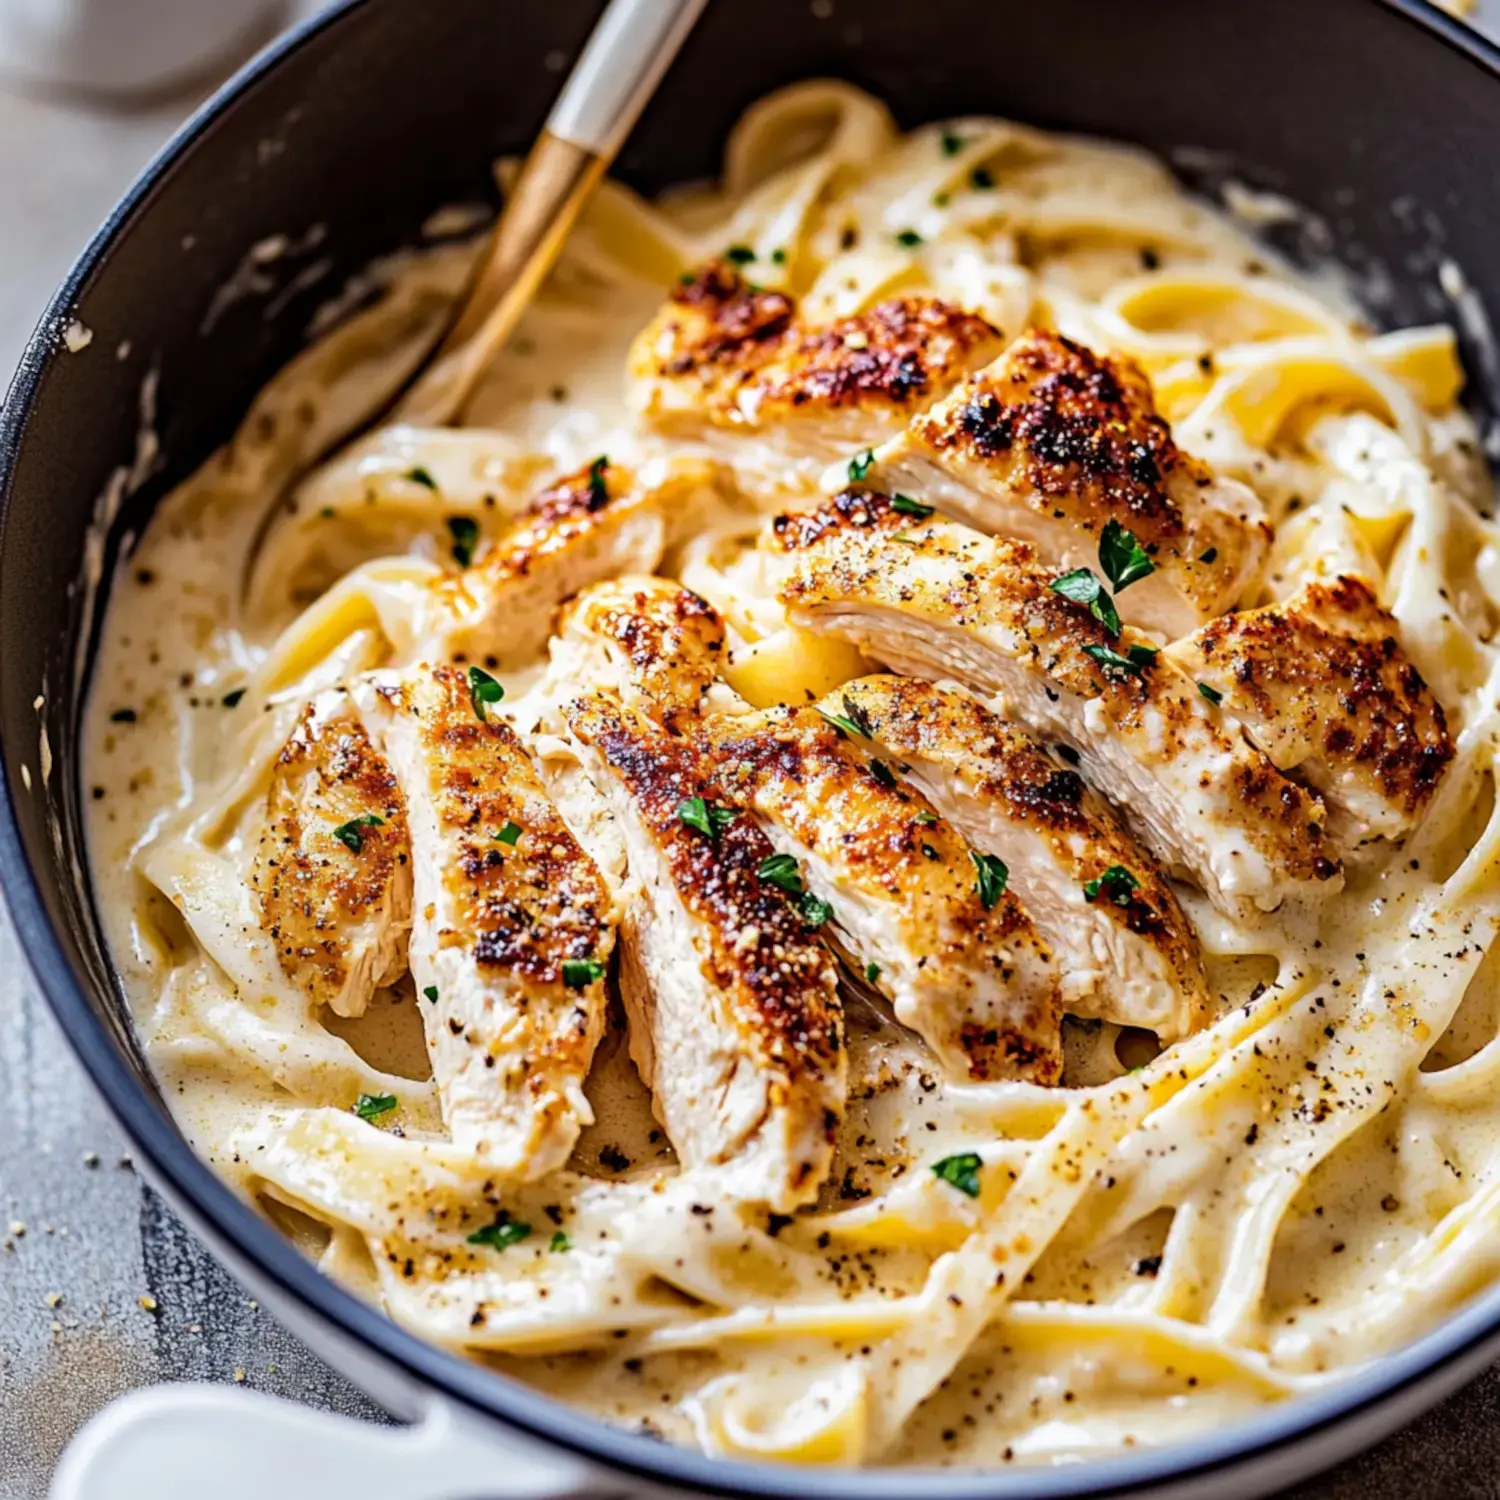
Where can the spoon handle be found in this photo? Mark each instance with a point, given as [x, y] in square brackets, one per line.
[618, 71]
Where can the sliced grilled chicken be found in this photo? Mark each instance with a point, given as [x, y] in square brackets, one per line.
[513, 927]
[722, 356]
[735, 1021]
[1322, 685]
[937, 600]
[599, 522]
[650, 640]
[1052, 442]
[928, 924]
[332, 870]
[1123, 948]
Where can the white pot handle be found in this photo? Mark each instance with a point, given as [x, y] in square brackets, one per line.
[182, 1442]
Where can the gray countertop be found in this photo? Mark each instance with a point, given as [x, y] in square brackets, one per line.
[101, 1289]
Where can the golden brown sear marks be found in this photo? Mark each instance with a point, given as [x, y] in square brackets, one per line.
[937, 600]
[332, 870]
[1322, 685]
[647, 638]
[723, 355]
[1053, 441]
[513, 930]
[603, 520]
[1123, 947]
[736, 1023]
[957, 955]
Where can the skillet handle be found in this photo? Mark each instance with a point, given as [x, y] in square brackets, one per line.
[183, 1442]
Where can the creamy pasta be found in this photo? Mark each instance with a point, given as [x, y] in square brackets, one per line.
[1167, 1240]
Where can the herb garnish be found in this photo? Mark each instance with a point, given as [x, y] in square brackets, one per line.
[740, 255]
[710, 821]
[781, 871]
[909, 238]
[778, 257]
[372, 1106]
[231, 699]
[925, 819]
[872, 973]
[953, 143]
[1082, 586]
[1135, 661]
[906, 506]
[559, 1242]
[1116, 884]
[981, 178]
[351, 834]
[465, 532]
[860, 464]
[961, 1172]
[1209, 555]
[1213, 695]
[883, 774]
[598, 490]
[1122, 557]
[993, 875]
[580, 973]
[503, 1232]
[815, 911]
[483, 689]
[430, 993]
[423, 477]
[509, 834]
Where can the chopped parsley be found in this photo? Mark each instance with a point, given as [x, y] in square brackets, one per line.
[906, 506]
[781, 871]
[1082, 586]
[430, 993]
[580, 973]
[848, 726]
[351, 834]
[981, 178]
[992, 877]
[423, 477]
[559, 1243]
[740, 255]
[872, 973]
[465, 532]
[483, 690]
[1213, 695]
[953, 143]
[372, 1106]
[509, 834]
[860, 464]
[909, 238]
[1116, 884]
[710, 821]
[505, 1231]
[961, 1172]
[778, 257]
[1211, 555]
[232, 699]
[1122, 557]
[883, 774]
[598, 490]
[1132, 664]
[926, 819]
[815, 911]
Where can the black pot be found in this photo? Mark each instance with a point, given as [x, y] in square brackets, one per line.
[1382, 118]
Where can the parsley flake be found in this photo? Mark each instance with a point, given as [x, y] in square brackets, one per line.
[961, 1172]
[872, 973]
[1213, 695]
[740, 255]
[503, 1232]
[483, 689]
[559, 1243]
[815, 911]
[925, 819]
[465, 533]
[598, 490]
[992, 877]
[430, 993]
[953, 143]
[982, 178]
[1122, 557]
[580, 973]
[883, 774]
[781, 871]
[906, 506]
[909, 238]
[372, 1106]
[423, 477]
[778, 257]
[351, 834]
[1116, 884]
[702, 815]
[232, 699]
[861, 464]
[1209, 556]
[1132, 664]
[1082, 586]
[509, 834]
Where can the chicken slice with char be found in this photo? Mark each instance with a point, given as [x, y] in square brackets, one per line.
[603, 520]
[331, 870]
[1050, 443]
[956, 954]
[938, 600]
[735, 1020]
[1126, 953]
[513, 926]
[1322, 685]
[722, 356]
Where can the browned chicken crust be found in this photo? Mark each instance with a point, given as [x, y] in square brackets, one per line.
[337, 909]
[1322, 685]
[723, 354]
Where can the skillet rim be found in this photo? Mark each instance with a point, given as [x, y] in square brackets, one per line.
[237, 1233]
